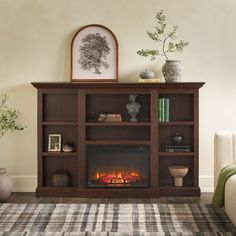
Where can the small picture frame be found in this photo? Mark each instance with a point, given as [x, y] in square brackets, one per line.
[94, 55]
[54, 142]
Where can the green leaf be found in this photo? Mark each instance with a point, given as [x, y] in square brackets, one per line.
[148, 53]
[180, 46]
[8, 117]
[153, 36]
[166, 40]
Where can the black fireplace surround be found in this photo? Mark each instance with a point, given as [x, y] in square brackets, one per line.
[118, 166]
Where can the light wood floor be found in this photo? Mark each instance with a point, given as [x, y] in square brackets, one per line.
[31, 198]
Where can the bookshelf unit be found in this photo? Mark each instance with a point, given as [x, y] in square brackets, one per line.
[72, 109]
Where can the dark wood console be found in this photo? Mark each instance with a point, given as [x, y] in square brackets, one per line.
[72, 109]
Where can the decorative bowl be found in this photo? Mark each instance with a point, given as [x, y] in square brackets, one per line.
[67, 148]
[147, 74]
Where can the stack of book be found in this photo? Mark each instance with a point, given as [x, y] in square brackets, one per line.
[177, 148]
[164, 109]
[110, 118]
[154, 80]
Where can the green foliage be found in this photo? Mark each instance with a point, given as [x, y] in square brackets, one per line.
[166, 39]
[147, 53]
[8, 117]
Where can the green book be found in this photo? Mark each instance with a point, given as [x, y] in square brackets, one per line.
[166, 109]
[160, 109]
[163, 109]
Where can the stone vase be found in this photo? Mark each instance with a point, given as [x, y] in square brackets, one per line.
[177, 139]
[5, 185]
[61, 179]
[178, 172]
[172, 71]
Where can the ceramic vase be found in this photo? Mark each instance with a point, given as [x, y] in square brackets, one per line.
[61, 179]
[177, 139]
[147, 74]
[172, 71]
[5, 184]
[178, 172]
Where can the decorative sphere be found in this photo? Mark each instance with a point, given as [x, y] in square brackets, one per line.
[177, 139]
[147, 74]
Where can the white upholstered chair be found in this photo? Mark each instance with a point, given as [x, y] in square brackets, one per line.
[225, 154]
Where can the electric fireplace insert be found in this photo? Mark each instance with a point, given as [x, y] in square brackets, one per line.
[118, 166]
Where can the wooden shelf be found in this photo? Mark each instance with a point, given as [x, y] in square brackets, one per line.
[127, 142]
[59, 123]
[118, 123]
[177, 154]
[54, 154]
[176, 123]
[68, 109]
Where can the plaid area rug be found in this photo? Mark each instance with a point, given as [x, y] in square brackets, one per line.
[113, 219]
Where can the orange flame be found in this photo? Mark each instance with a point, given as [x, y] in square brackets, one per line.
[118, 177]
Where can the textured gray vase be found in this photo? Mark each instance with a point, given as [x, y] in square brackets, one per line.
[61, 179]
[5, 184]
[172, 71]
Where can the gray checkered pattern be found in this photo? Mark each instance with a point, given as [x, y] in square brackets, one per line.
[113, 219]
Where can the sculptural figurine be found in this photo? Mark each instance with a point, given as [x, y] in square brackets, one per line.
[133, 107]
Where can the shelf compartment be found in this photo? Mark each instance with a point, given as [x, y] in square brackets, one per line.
[69, 135]
[165, 179]
[167, 132]
[118, 124]
[128, 142]
[97, 104]
[64, 163]
[60, 107]
[118, 132]
[181, 106]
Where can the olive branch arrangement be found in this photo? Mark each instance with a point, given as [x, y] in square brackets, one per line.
[167, 39]
[8, 117]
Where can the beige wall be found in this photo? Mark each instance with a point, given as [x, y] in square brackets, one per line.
[35, 38]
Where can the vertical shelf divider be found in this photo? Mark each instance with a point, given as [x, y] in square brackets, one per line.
[196, 139]
[40, 138]
[154, 138]
[81, 138]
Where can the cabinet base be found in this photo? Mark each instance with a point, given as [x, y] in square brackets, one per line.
[96, 193]
[116, 193]
[180, 191]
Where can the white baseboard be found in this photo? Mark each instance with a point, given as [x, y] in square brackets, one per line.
[206, 183]
[28, 183]
[24, 183]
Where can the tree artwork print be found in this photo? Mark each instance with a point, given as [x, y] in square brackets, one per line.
[94, 52]
[94, 55]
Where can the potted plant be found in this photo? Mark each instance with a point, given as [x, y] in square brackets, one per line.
[8, 122]
[172, 69]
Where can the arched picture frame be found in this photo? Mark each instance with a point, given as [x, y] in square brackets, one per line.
[94, 55]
